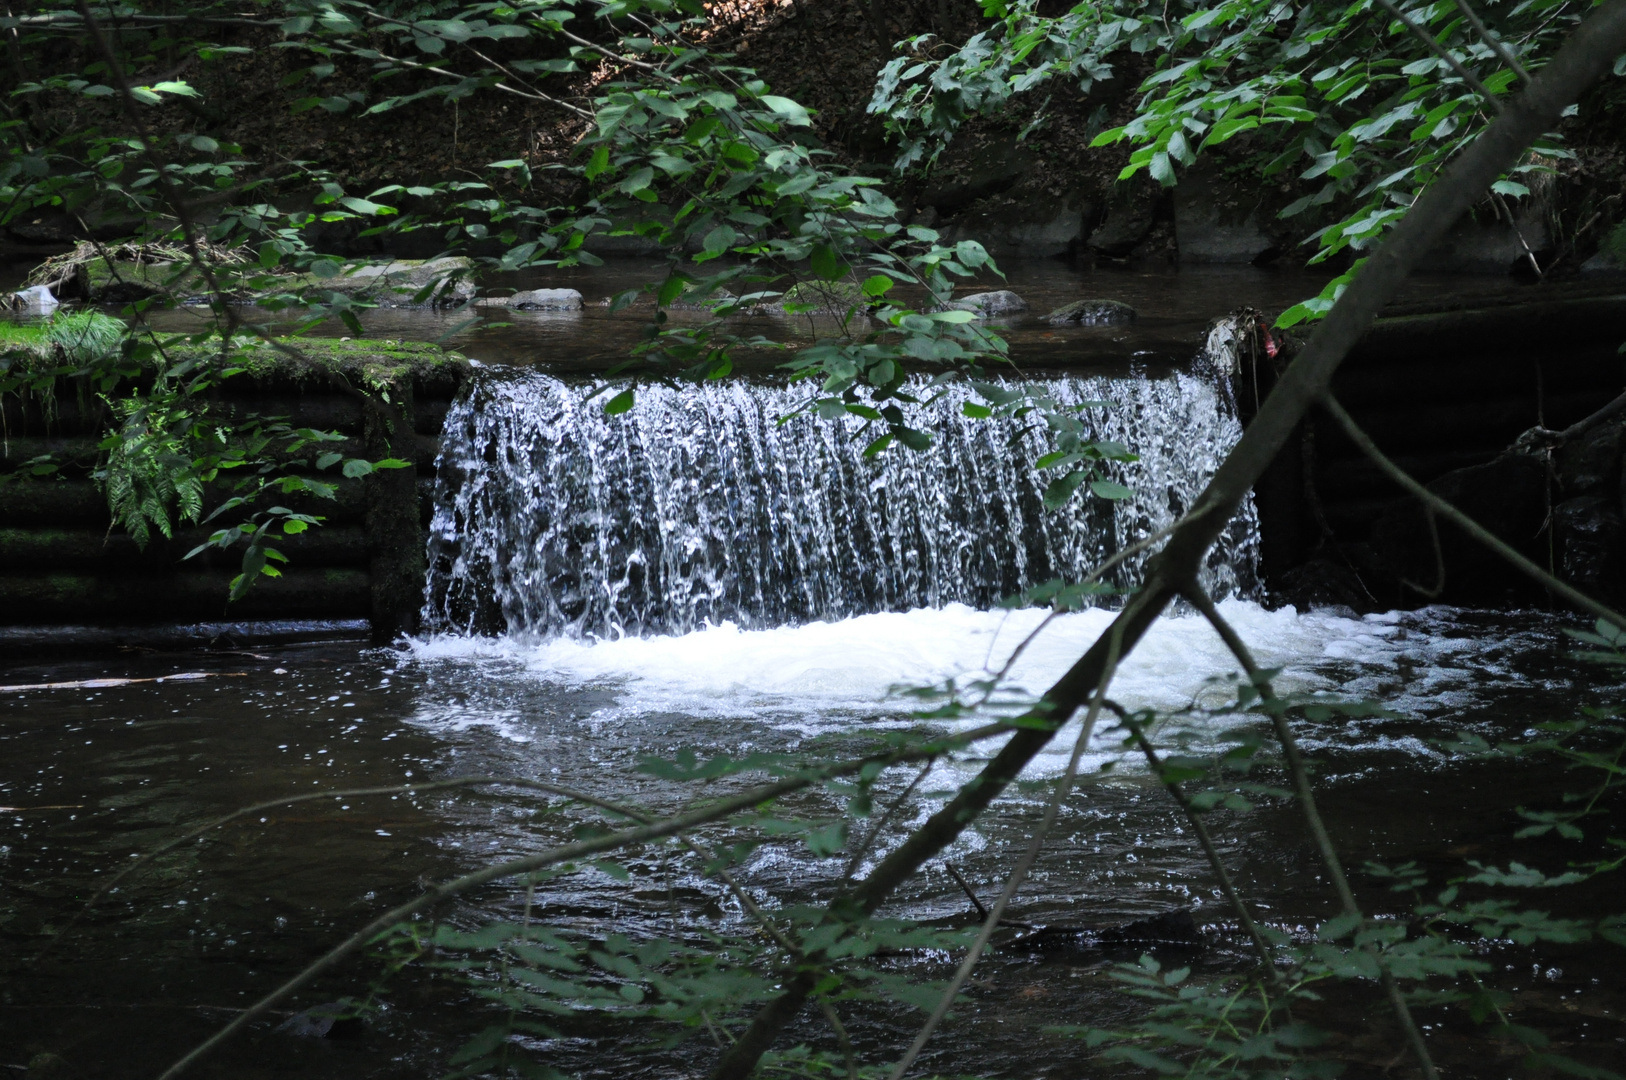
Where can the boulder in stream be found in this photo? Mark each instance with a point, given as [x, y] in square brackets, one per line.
[1092, 313]
[539, 300]
[1590, 537]
[990, 305]
[34, 300]
[399, 283]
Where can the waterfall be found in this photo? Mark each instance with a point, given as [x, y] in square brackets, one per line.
[700, 505]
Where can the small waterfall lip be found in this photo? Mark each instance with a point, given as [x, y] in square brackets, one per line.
[706, 506]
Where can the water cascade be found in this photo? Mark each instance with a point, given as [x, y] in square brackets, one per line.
[700, 506]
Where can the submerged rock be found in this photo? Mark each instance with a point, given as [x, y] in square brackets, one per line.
[34, 300]
[331, 1020]
[539, 300]
[1590, 536]
[1165, 931]
[991, 305]
[1092, 313]
[400, 283]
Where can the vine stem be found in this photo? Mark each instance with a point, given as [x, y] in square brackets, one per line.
[1051, 811]
[667, 827]
[1464, 522]
[1233, 896]
[1313, 821]
[1583, 59]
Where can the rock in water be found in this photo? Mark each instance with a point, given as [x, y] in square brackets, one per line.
[399, 283]
[35, 300]
[331, 1020]
[1170, 929]
[1092, 313]
[547, 300]
[991, 305]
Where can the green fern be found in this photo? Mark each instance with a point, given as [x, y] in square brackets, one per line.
[152, 466]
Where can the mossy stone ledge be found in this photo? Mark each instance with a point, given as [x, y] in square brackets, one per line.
[386, 397]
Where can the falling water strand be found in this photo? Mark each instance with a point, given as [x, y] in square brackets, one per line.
[699, 505]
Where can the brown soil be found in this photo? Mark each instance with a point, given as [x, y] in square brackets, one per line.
[824, 53]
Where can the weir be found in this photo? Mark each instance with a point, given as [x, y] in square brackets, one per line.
[706, 505]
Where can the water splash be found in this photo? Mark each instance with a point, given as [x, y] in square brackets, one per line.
[699, 507]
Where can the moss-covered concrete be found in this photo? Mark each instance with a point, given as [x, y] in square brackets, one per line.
[59, 599]
[59, 565]
[364, 363]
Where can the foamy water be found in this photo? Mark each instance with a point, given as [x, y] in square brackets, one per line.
[829, 675]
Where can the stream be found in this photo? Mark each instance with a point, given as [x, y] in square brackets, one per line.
[697, 578]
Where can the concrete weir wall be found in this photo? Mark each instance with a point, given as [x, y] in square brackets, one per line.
[61, 564]
[1443, 391]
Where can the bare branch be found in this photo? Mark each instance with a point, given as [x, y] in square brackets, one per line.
[1467, 524]
[1233, 896]
[1582, 60]
[1497, 44]
[1300, 774]
[1444, 54]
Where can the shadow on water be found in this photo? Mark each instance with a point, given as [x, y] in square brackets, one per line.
[91, 777]
[1174, 305]
[98, 775]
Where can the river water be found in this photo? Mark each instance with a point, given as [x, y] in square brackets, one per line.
[508, 682]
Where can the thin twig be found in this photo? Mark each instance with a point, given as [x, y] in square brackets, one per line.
[1497, 44]
[863, 848]
[842, 1038]
[1051, 811]
[672, 826]
[1444, 54]
[1300, 774]
[1267, 956]
[1464, 522]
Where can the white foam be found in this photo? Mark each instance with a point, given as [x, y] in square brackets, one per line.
[825, 670]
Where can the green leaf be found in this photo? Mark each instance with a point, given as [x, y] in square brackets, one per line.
[1162, 171]
[827, 264]
[877, 285]
[356, 468]
[599, 162]
[670, 289]
[620, 403]
[788, 111]
[1107, 489]
[718, 240]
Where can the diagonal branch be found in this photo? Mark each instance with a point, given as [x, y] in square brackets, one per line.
[1467, 524]
[1300, 773]
[1444, 54]
[1582, 60]
[1497, 44]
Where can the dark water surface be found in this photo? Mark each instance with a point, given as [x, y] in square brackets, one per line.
[1175, 305]
[94, 776]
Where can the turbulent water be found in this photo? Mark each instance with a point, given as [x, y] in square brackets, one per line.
[700, 506]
